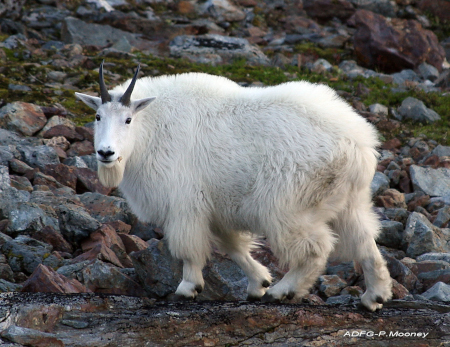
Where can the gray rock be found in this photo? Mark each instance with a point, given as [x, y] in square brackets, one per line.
[428, 72]
[77, 31]
[379, 183]
[38, 156]
[30, 337]
[434, 257]
[216, 49]
[107, 208]
[434, 182]
[386, 8]
[405, 75]
[221, 10]
[397, 214]
[416, 110]
[439, 292]
[6, 286]
[28, 217]
[10, 198]
[22, 117]
[442, 217]
[160, 274]
[76, 223]
[321, 64]
[5, 180]
[420, 236]
[391, 234]
[24, 254]
[14, 41]
[8, 137]
[91, 161]
[441, 151]
[75, 161]
[342, 300]
[331, 285]
[379, 109]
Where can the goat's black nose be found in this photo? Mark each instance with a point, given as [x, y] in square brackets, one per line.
[105, 154]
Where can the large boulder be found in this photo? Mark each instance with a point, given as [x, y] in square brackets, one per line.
[434, 182]
[394, 45]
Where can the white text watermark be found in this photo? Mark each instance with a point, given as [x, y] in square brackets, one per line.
[369, 333]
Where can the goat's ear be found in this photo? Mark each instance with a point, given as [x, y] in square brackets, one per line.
[139, 105]
[92, 101]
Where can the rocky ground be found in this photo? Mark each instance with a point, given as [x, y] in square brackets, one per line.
[61, 231]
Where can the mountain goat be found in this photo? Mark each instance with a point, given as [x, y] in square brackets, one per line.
[216, 163]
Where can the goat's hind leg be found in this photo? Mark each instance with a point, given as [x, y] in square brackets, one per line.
[357, 228]
[306, 252]
[238, 247]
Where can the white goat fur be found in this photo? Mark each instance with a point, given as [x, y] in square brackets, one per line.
[210, 160]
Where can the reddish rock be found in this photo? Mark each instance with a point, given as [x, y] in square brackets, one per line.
[295, 24]
[391, 144]
[81, 148]
[46, 180]
[88, 182]
[391, 198]
[87, 133]
[398, 290]
[120, 227]
[133, 243]
[444, 162]
[405, 182]
[64, 174]
[24, 118]
[418, 201]
[324, 10]
[45, 279]
[19, 167]
[101, 252]
[53, 111]
[108, 238]
[395, 45]
[63, 130]
[49, 235]
[432, 161]
[58, 142]
[21, 183]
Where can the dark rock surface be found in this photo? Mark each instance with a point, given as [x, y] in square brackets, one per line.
[84, 320]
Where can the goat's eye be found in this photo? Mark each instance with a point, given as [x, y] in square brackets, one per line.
[128, 121]
[97, 117]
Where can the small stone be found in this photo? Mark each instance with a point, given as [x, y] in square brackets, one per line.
[434, 182]
[26, 119]
[439, 292]
[391, 198]
[64, 174]
[417, 111]
[88, 182]
[53, 237]
[420, 236]
[428, 72]
[222, 10]
[391, 234]
[331, 285]
[379, 109]
[379, 184]
[435, 257]
[398, 290]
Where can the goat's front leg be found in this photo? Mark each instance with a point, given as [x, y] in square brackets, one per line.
[189, 239]
[192, 283]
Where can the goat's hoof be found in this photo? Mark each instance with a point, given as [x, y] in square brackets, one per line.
[269, 298]
[265, 284]
[290, 295]
[199, 288]
[380, 300]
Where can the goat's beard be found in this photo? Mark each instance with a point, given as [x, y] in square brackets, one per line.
[111, 176]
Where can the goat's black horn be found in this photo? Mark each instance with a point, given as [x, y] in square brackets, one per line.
[103, 91]
[125, 99]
